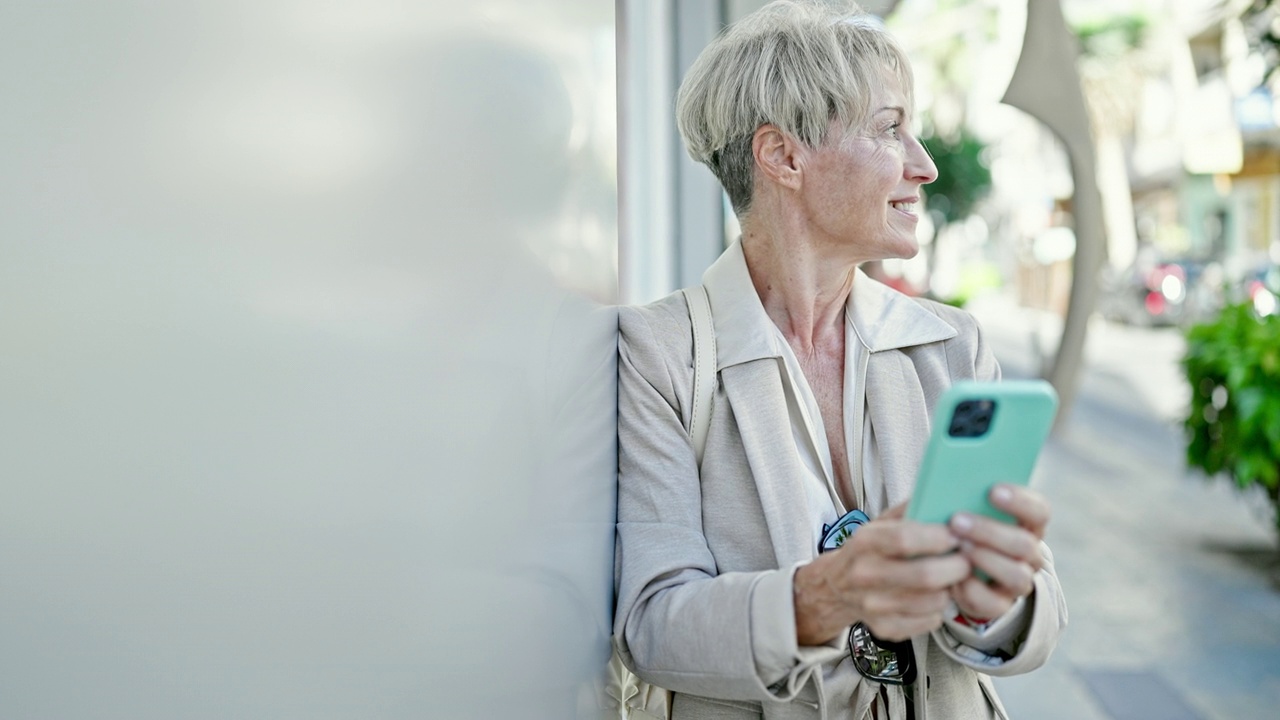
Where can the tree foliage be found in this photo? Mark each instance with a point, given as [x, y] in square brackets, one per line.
[1233, 426]
[963, 177]
[1111, 36]
[1261, 22]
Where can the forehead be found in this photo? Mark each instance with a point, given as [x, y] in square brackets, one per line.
[888, 93]
[886, 103]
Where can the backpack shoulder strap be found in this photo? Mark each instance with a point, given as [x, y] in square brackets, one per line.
[704, 366]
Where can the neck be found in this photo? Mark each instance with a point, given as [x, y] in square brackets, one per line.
[802, 288]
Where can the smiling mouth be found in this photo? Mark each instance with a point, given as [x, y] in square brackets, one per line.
[905, 206]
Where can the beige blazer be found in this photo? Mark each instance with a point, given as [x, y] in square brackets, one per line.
[705, 557]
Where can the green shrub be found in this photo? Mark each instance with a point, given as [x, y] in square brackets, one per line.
[1233, 426]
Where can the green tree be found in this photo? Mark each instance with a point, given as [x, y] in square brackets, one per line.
[963, 180]
[1261, 21]
[963, 176]
[1233, 425]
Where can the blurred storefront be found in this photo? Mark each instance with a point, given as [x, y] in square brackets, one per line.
[1218, 207]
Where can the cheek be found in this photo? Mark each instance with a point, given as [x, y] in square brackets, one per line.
[887, 164]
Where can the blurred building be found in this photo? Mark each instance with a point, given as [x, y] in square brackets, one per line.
[1202, 154]
[1231, 199]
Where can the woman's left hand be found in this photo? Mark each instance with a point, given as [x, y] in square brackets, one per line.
[1008, 555]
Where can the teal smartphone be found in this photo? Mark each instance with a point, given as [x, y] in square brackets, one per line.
[983, 433]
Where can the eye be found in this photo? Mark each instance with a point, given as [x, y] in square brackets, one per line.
[893, 130]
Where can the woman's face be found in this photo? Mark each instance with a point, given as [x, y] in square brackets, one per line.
[861, 187]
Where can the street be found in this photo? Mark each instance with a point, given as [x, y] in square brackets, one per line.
[1172, 581]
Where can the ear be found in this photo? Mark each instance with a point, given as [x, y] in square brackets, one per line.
[777, 156]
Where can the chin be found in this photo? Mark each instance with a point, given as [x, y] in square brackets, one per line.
[905, 251]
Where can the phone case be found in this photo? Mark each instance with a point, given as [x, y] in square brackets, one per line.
[958, 471]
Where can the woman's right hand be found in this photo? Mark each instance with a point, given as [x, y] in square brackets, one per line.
[893, 574]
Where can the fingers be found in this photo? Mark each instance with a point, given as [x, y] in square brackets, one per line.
[1007, 556]
[907, 604]
[896, 628]
[904, 538]
[898, 615]
[893, 595]
[977, 599]
[1011, 577]
[1029, 508]
[921, 574]
[1012, 541]
[898, 576]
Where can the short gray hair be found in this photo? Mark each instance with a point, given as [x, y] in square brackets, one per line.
[795, 64]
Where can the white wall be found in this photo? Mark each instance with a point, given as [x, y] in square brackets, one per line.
[306, 370]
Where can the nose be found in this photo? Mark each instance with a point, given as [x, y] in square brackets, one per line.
[919, 166]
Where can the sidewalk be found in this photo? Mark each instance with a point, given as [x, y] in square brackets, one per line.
[1172, 582]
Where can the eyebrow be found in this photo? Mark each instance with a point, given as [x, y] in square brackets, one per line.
[893, 108]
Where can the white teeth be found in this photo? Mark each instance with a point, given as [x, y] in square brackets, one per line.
[903, 206]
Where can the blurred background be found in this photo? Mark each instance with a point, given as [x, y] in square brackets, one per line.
[307, 337]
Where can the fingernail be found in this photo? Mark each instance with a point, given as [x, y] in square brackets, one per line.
[1002, 494]
[961, 522]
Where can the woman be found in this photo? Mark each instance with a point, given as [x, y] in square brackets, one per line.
[825, 386]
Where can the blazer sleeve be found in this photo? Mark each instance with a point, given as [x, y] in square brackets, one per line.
[679, 622]
[1023, 640]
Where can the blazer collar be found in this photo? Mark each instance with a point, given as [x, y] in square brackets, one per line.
[744, 331]
[883, 318]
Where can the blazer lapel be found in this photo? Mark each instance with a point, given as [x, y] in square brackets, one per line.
[897, 406]
[887, 321]
[755, 393]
